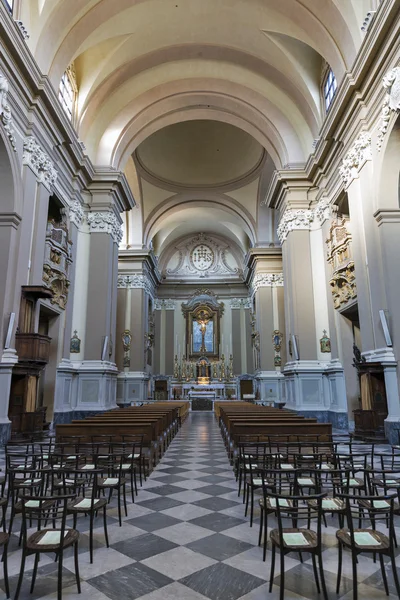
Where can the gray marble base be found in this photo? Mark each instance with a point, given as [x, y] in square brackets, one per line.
[392, 429]
[73, 415]
[338, 420]
[5, 432]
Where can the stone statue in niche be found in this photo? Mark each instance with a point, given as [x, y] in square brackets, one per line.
[325, 342]
[75, 343]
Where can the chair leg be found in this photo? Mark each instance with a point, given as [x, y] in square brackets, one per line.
[355, 584]
[321, 573]
[251, 506]
[282, 582]
[314, 564]
[119, 505]
[135, 481]
[271, 575]
[385, 583]
[124, 496]
[105, 526]
[261, 526]
[339, 573]
[5, 568]
[76, 560]
[265, 542]
[91, 536]
[34, 572]
[60, 568]
[395, 576]
[132, 489]
[21, 575]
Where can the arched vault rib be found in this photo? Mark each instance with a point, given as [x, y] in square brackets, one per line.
[206, 199]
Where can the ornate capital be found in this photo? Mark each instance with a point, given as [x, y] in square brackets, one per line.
[76, 213]
[391, 83]
[266, 280]
[358, 154]
[5, 111]
[322, 212]
[39, 162]
[136, 281]
[166, 304]
[241, 303]
[105, 222]
[294, 219]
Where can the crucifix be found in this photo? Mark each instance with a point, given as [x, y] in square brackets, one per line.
[203, 319]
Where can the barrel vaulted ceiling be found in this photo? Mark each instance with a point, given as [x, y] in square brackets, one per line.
[153, 74]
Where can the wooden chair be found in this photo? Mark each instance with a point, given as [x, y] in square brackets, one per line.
[114, 480]
[274, 481]
[368, 540]
[297, 539]
[89, 504]
[47, 540]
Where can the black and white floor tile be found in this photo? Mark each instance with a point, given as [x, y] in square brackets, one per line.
[186, 538]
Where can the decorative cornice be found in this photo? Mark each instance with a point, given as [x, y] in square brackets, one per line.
[105, 222]
[266, 280]
[294, 219]
[355, 158]
[166, 304]
[241, 303]
[76, 213]
[23, 30]
[5, 111]
[39, 162]
[137, 281]
[391, 102]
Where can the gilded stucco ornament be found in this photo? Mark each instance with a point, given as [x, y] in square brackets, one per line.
[105, 222]
[359, 153]
[391, 83]
[5, 112]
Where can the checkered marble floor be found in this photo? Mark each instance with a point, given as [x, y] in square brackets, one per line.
[186, 538]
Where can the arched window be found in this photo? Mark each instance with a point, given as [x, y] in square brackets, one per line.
[329, 88]
[68, 92]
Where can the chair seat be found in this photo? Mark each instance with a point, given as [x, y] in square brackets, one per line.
[335, 504]
[33, 541]
[343, 535]
[354, 482]
[390, 483]
[30, 482]
[111, 482]
[271, 504]
[380, 506]
[254, 481]
[45, 505]
[73, 506]
[69, 483]
[309, 535]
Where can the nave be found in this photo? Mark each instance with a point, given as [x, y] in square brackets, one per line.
[186, 538]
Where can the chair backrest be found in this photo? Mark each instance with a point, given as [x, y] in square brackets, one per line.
[43, 510]
[296, 509]
[383, 481]
[369, 511]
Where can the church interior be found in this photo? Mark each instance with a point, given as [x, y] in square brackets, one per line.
[199, 299]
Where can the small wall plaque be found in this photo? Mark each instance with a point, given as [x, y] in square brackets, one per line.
[325, 342]
[75, 344]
